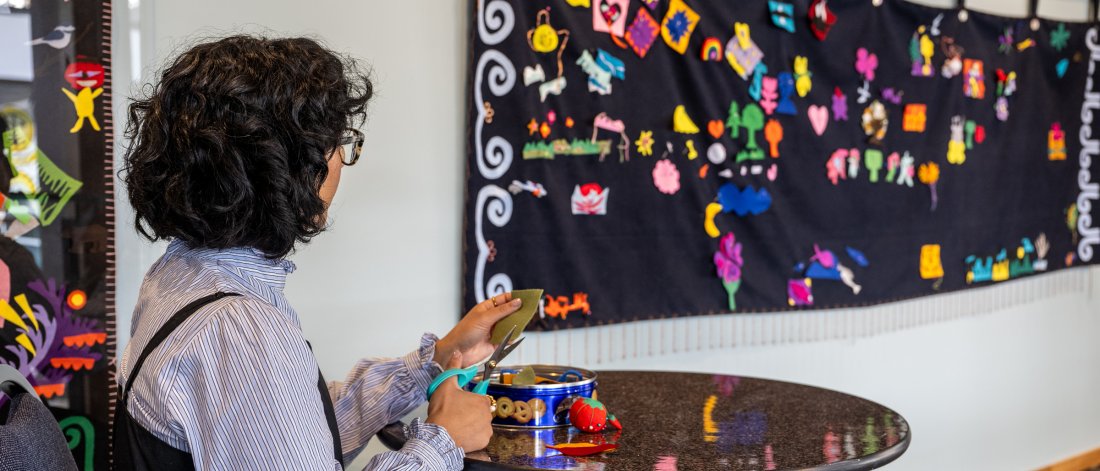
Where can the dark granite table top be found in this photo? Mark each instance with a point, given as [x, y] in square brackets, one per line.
[687, 421]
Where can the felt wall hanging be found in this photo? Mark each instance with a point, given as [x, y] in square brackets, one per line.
[875, 153]
[57, 218]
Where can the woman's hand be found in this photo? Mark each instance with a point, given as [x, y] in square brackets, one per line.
[470, 338]
[465, 416]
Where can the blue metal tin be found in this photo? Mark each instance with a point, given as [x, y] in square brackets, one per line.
[544, 405]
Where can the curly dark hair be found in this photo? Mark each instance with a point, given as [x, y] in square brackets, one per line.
[230, 148]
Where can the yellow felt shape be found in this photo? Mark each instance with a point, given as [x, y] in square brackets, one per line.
[520, 318]
[682, 123]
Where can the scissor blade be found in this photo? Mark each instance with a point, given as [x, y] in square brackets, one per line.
[509, 349]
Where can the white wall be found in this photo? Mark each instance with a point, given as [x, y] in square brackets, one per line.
[1012, 389]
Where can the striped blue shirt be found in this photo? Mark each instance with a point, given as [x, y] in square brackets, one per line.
[236, 384]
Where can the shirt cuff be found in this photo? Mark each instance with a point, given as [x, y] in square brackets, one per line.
[421, 365]
[432, 444]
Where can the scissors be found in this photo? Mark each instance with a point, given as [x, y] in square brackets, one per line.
[465, 375]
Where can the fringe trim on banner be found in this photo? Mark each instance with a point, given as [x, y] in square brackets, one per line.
[593, 346]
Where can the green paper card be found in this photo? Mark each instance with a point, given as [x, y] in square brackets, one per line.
[520, 318]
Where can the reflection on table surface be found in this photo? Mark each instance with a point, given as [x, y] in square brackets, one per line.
[696, 421]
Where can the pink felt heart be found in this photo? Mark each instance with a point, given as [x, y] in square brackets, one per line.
[819, 118]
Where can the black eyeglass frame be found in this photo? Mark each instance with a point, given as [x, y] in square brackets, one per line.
[352, 136]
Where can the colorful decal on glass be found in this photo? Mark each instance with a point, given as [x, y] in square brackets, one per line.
[58, 38]
[87, 79]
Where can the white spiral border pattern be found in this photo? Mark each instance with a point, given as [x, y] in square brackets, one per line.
[495, 21]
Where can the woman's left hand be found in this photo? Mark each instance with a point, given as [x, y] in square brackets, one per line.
[470, 338]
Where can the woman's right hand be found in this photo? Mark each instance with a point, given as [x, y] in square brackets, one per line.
[465, 415]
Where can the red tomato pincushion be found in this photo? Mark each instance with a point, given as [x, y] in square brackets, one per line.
[588, 415]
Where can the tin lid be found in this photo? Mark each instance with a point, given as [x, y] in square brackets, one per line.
[545, 371]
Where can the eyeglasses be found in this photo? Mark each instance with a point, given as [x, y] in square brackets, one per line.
[352, 143]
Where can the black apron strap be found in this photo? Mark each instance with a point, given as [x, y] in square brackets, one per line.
[330, 414]
[163, 333]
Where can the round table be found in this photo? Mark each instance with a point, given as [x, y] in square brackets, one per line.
[691, 421]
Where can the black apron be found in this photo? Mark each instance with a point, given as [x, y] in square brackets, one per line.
[137, 449]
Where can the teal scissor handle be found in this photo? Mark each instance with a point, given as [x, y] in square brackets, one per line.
[464, 376]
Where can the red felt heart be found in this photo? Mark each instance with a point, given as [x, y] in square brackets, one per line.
[610, 12]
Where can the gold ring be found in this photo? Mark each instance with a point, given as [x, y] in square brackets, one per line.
[494, 298]
[492, 404]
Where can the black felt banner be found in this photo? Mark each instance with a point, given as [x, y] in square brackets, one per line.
[794, 155]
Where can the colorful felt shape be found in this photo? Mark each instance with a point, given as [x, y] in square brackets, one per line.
[579, 3]
[1061, 67]
[609, 16]
[716, 153]
[712, 50]
[715, 128]
[682, 123]
[931, 263]
[953, 64]
[689, 148]
[819, 118]
[866, 64]
[974, 79]
[782, 14]
[601, 69]
[583, 449]
[543, 37]
[588, 415]
[875, 122]
[552, 87]
[915, 117]
[742, 54]
[645, 143]
[822, 18]
[590, 199]
[921, 50]
[651, 4]
[728, 261]
[756, 88]
[1056, 143]
[666, 177]
[840, 105]
[956, 146]
[786, 89]
[531, 299]
[680, 21]
[802, 75]
[744, 202]
[533, 75]
[1059, 38]
[929, 174]
[712, 210]
[773, 133]
[642, 33]
[769, 92]
[800, 293]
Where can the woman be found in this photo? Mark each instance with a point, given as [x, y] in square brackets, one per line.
[235, 157]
